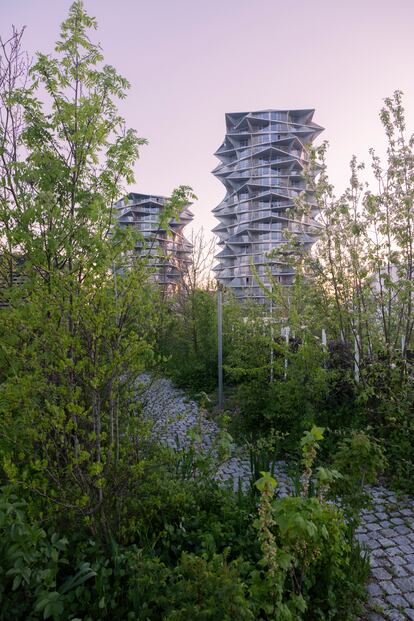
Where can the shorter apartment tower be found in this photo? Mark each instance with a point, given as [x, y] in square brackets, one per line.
[262, 165]
[169, 251]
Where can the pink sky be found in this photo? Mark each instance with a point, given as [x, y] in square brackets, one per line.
[190, 61]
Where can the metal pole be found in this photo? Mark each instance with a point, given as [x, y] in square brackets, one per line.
[271, 341]
[220, 346]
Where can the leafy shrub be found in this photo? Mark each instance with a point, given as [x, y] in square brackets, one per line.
[310, 568]
[390, 411]
[197, 588]
[193, 550]
[322, 569]
[35, 573]
[359, 459]
[288, 405]
[188, 341]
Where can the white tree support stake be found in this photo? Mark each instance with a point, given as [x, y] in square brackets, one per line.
[271, 341]
[287, 331]
[356, 358]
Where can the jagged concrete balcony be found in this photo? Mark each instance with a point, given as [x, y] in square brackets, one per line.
[262, 163]
[168, 251]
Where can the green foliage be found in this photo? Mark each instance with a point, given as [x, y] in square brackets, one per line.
[400, 453]
[208, 520]
[188, 340]
[195, 460]
[306, 552]
[388, 407]
[363, 272]
[360, 459]
[246, 341]
[35, 573]
[147, 533]
[193, 550]
[64, 577]
[313, 538]
[309, 444]
[264, 452]
[75, 334]
[199, 588]
[289, 404]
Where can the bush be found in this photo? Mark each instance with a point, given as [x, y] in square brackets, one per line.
[193, 550]
[197, 588]
[290, 404]
[37, 579]
[323, 569]
[310, 567]
[187, 341]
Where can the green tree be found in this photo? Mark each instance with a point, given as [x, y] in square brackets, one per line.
[363, 259]
[363, 266]
[78, 327]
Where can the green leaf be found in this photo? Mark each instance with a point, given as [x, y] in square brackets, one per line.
[85, 573]
[317, 432]
[266, 482]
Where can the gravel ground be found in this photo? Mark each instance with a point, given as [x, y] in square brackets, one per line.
[387, 529]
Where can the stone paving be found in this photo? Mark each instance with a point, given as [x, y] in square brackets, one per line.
[386, 531]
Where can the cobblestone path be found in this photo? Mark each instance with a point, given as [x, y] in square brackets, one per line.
[387, 530]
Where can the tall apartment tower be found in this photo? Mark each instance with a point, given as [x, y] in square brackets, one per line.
[168, 252]
[262, 163]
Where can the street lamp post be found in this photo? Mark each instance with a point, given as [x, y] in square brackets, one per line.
[220, 345]
[272, 372]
